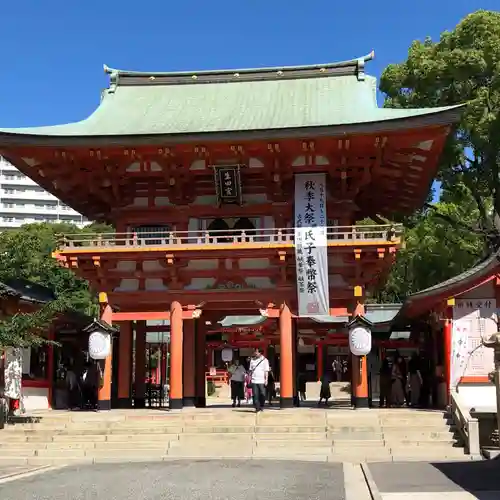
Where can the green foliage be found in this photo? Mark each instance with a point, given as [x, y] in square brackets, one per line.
[26, 253]
[435, 250]
[21, 329]
[463, 67]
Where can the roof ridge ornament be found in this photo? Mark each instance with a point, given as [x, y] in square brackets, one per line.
[114, 75]
[361, 65]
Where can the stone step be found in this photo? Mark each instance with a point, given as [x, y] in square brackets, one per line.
[275, 420]
[199, 429]
[325, 453]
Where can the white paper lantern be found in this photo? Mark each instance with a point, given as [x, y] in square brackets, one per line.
[360, 340]
[99, 345]
[227, 355]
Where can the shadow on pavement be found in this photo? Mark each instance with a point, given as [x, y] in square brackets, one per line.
[474, 477]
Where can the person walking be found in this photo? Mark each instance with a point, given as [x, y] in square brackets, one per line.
[259, 373]
[415, 380]
[302, 386]
[73, 389]
[271, 387]
[385, 383]
[398, 383]
[91, 380]
[237, 382]
[325, 391]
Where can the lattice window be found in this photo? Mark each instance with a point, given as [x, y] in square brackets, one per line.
[151, 233]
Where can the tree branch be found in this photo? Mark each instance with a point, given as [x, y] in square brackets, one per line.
[452, 221]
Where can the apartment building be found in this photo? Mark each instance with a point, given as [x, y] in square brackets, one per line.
[22, 201]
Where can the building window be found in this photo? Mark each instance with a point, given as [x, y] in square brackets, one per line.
[36, 363]
[150, 232]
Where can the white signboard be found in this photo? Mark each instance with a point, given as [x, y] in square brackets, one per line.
[473, 321]
[311, 252]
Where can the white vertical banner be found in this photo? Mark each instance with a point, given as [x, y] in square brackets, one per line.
[311, 251]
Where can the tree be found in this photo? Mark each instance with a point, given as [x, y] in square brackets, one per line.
[26, 253]
[463, 67]
[22, 329]
[434, 249]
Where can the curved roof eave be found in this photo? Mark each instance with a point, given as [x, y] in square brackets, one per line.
[69, 133]
[417, 303]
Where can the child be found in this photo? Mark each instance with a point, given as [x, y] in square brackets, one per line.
[248, 389]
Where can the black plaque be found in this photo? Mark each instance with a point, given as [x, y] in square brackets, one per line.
[228, 184]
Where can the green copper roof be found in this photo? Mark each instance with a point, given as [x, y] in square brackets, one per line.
[244, 101]
[229, 321]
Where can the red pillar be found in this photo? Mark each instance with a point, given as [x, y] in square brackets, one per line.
[447, 335]
[176, 355]
[104, 401]
[125, 365]
[189, 364]
[50, 366]
[286, 358]
[200, 363]
[140, 365]
[359, 372]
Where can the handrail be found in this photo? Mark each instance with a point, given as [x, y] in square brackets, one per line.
[385, 232]
[467, 426]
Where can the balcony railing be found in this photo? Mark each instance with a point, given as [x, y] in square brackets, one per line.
[275, 237]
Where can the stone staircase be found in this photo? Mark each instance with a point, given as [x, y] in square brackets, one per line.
[336, 435]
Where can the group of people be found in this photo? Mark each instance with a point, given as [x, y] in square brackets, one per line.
[255, 383]
[83, 389]
[401, 382]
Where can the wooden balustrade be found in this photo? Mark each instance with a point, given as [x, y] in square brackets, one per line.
[390, 233]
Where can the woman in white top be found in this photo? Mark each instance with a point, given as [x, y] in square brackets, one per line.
[238, 373]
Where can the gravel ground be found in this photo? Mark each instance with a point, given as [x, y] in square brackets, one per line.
[185, 480]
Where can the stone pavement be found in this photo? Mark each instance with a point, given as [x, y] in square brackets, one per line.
[11, 470]
[185, 480]
[263, 480]
[438, 480]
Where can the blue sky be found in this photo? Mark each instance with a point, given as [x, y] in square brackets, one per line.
[53, 51]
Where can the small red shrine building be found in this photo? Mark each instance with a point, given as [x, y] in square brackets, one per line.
[462, 312]
[197, 172]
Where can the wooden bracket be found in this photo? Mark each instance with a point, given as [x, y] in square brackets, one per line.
[282, 255]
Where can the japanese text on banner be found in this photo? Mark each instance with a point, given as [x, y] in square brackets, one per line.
[311, 253]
